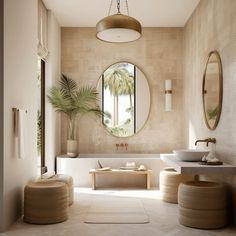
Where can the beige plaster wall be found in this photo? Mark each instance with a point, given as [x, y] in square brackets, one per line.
[1, 109]
[159, 55]
[20, 89]
[211, 27]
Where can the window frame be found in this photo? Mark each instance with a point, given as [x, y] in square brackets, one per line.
[43, 166]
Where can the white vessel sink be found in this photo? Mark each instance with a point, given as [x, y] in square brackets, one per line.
[190, 154]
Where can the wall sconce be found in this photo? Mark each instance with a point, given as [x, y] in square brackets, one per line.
[168, 95]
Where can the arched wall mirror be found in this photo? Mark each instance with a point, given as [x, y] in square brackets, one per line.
[212, 90]
[125, 99]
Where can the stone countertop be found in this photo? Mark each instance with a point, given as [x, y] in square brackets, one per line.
[116, 155]
[196, 168]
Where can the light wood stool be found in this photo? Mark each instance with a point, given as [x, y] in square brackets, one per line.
[45, 203]
[169, 183]
[202, 204]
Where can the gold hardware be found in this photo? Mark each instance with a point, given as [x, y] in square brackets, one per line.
[122, 145]
[220, 92]
[14, 109]
[14, 119]
[207, 141]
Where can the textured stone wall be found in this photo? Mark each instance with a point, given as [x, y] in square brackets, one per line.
[159, 55]
[211, 27]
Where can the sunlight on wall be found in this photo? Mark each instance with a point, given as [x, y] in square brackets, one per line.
[191, 135]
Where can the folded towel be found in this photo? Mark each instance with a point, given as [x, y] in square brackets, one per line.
[213, 160]
[211, 157]
[48, 175]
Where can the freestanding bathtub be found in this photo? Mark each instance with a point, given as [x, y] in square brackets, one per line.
[79, 168]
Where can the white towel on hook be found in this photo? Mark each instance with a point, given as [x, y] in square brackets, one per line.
[21, 133]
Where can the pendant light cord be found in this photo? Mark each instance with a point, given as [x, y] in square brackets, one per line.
[127, 7]
[118, 7]
[109, 12]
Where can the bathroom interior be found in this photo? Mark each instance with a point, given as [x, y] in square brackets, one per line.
[117, 117]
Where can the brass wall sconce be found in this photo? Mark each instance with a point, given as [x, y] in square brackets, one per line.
[168, 95]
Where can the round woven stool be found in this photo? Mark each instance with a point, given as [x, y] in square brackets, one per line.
[202, 204]
[45, 203]
[68, 180]
[169, 183]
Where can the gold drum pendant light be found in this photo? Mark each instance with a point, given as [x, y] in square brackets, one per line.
[118, 28]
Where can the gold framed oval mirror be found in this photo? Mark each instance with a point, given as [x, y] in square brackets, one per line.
[212, 90]
[124, 98]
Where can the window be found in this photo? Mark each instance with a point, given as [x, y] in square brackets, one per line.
[41, 116]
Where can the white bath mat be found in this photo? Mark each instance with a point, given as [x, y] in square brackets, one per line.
[116, 211]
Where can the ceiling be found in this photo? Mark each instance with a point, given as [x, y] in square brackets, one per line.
[150, 13]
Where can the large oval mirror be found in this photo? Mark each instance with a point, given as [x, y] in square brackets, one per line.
[125, 99]
[212, 90]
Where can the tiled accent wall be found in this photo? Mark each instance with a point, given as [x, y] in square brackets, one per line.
[159, 55]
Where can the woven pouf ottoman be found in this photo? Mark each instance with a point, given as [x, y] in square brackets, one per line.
[68, 180]
[169, 183]
[45, 203]
[202, 204]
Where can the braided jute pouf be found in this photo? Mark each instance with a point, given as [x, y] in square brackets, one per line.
[169, 183]
[68, 180]
[202, 204]
[45, 203]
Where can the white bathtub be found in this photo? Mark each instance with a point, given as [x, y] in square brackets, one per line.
[120, 155]
[79, 168]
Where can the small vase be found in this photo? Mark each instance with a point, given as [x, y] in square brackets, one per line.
[72, 148]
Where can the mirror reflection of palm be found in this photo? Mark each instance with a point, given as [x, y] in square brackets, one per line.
[119, 80]
[125, 99]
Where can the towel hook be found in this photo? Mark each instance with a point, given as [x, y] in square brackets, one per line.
[14, 109]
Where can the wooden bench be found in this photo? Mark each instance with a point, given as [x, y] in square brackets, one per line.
[95, 172]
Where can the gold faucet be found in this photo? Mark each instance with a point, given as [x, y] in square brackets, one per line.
[122, 145]
[207, 141]
[117, 146]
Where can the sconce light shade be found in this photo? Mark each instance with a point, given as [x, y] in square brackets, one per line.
[168, 95]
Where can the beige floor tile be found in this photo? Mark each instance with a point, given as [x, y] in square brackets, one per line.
[163, 219]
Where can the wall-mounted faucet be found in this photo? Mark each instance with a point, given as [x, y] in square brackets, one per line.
[117, 146]
[207, 141]
[122, 145]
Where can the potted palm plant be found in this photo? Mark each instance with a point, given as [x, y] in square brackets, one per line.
[73, 101]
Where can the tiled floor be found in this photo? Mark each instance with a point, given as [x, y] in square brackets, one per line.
[163, 219]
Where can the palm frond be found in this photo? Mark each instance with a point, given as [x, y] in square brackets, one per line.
[212, 113]
[96, 110]
[85, 98]
[68, 86]
[59, 101]
[119, 80]
[72, 100]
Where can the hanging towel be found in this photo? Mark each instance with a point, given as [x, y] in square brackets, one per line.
[21, 132]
